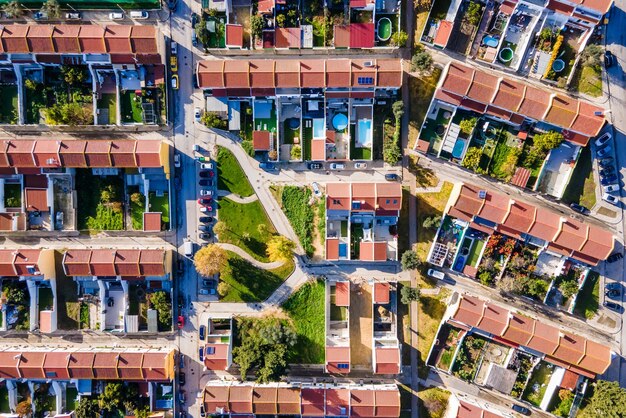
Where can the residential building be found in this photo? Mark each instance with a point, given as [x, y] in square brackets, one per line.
[337, 315]
[295, 399]
[302, 110]
[116, 280]
[361, 221]
[386, 347]
[219, 344]
[469, 408]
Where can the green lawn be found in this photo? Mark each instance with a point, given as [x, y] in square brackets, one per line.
[306, 310]
[130, 107]
[589, 81]
[242, 219]
[108, 101]
[295, 203]
[230, 176]
[46, 300]
[357, 153]
[432, 402]
[250, 284]
[160, 204]
[541, 377]
[587, 302]
[421, 91]
[136, 213]
[94, 213]
[12, 195]
[581, 188]
[477, 247]
[70, 399]
[8, 105]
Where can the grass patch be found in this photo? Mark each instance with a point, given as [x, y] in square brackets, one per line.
[4, 399]
[589, 81]
[71, 395]
[246, 283]
[424, 177]
[99, 201]
[429, 315]
[581, 188]
[130, 107]
[295, 203]
[429, 204]
[12, 195]
[358, 153]
[107, 101]
[46, 300]
[160, 204]
[475, 251]
[230, 176]
[306, 310]
[242, 221]
[421, 90]
[588, 299]
[8, 106]
[432, 402]
[137, 208]
[540, 377]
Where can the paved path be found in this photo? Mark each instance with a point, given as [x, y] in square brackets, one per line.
[243, 254]
[236, 198]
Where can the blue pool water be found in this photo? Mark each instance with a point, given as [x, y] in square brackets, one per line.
[340, 121]
[490, 41]
[318, 128]
[460, 263]
[459, 146]
[364, 133]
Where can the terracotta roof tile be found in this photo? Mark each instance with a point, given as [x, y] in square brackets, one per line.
[332, 249]
[312, 73]
[127, 262]
[287, 73]
[387, 360]
[563, 111]
[458, 79]
[363, 403]
[240, 399]
[129, 366]
[509, 95]
[76, 262]
[65, 39]
[600, 243]
[31, 364]
[545, 338]
[123, 153]
[313, 402]
[362, 35]
[381, 292]
[571, 348]
[80, 365]
[117, 39]
[387, 403]
[483, 86]
[494, 320]
[55, 365]
[40, 38]
[521, 216]
[597, 357]
[264, 400]
[495, 207]
[546, 224]
[470, 311]
[536, 102]
[148, 153]
[288, 37]
[573, 234]
[337, 402]
[342, 293]
[520, 329]
[341, 38]
[288, 401]
[262, 73]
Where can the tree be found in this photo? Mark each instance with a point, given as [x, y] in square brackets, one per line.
[473, 13]
[399, 38]
[71, 114]
[608, 400]
[86, 408]
[280, 248]
[568, 288]
[486, 278]
[398, 109]
[391, 152]
[162, 303]
[52, 9]
[547, 141]
[137, 198]
[409, 294]
[256, 25]
[15, 295]
[472, 158]
[212, 120]
[296, 152]
[432, 221]
[245, 236]
[262, 229]
[280, 20]
[112, 397]
[143, 412]
[24, 408]
[422, 61]
[202, 33]
[223, 288]
[467, 125]
[410, 260]
[220, 228]
[13, 9]
[210, 259]
[73, 74]
[248, 147]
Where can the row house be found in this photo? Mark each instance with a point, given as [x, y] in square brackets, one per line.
[386, 357]
[218, 347]
[337, 314]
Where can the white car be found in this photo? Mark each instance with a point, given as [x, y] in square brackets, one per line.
[204, 209]
[204, 192]
[197, 113]
[139, 14]
[610, 198]
[206, 166]
[436, 274]
[337, 166]
[177, 160]
[173, 48]
[116, 16]
[316, 189]
[360, 166]
[611, 188]
[606, 137]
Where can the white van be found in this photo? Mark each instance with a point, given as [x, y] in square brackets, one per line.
[436, 274]
[337, 166]
[188, 248]
[116, 16]
[139, 14]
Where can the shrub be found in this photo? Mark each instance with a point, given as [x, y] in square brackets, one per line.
[410, 260]
[422, 61]
[431, 221]
[473, 13]
[248, 147]
[555, 53]
[296, 152]
[472, 158]
[486, 278]
[467, 125]
[212, 120]
[399, 38]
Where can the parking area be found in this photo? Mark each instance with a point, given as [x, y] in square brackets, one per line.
[603, 148]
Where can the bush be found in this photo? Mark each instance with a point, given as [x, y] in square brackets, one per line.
[399, 38]
[592, 56]
[409, 294]
[248, 147]
[296, 152]
[410, 260]
[467, 125]
[212, 120]
[472, 158]
[161, 302]
[555, 53]
[422, 61]
[432, 221]
[473, 13]
[71, 114]
[486, 278]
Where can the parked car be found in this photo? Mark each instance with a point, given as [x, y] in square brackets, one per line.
[194, 21]
[520, 409]
[613, 306]
[181, 363]
[206, 209]
[205, 219]
[205, 182]
[175, 81]
[603, 152]
[603, 139]
[181, 378]
[205, 237]
[436, 274]
[579, 208]
[181, 321]
[610, 179]
[206, 173]
[613, 286]
[73, 16]
[315, 166]
[613, 294]
[181, 397]
[197, 114]
[360, 166]
[610, 188]
[207, 291]
[116, 16]
[337, 166]
[208, 283]
[201, 354]
[202, 412]
[607, 171]
[203, 159]
[614, 257]
[206, 166]
[609, 59]
[392, 177]
[173, 63]
[177, 160]
[605, 162]
[205, 201]
[40, 16]
[204, 228]
[267, 166]
[201, 332]
[173, 48]
[206, 192]
[610, 198]
[316, 189]
[139, 14]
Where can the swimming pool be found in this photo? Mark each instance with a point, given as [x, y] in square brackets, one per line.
[364, 133]
[491, 41]
[340, 121]
[459, 146]
[318, 128]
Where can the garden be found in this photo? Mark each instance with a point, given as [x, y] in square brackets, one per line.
[522, 363]
[295, 202]
[211, 29]
[138, 303]
[12, 195]
[160, 203]
[100, 204]
[468, 358]
[519, 277]
[538, 383]
[588, 300]
[581, 188]
[46, 299]
[421, 90]
[464, 30]
[565, 287]
[306, 308]
[108, 101]
[130, 107]
[588, 77]
[497, 250]
[438, 13]
[137, 207]
[445, 352]
[230, 176]
[18, 302]
[432, 402]
[9, 104]
[561, 403]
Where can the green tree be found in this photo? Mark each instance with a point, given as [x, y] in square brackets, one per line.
[547, 141]
[212, 120]
[472, 158]
[422, 61]
[398, 109]
[280, 248]
[202, 33]
[410, 260]
[13, 9]
[409, 294]
[296, 152]
[262, 229]
[608, 400]
[14, 295]
[71, 114]
[473, 13]
[137, 198]
[467, 125]
[280, 20]
[52, 9]
[568, 288]
[112, 397]
[86, 408]
[162, 303]
[210, 260]
[256, 26]
[432, 221]
[399, 38]
[73, 74]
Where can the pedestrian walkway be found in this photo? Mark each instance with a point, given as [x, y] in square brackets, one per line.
[236, 198]
[243, 254]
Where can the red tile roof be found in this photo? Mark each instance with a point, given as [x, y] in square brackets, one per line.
[519, 329]
[335, 356]
[600, 6]
[387, 360]
[318, 150]
[55, 365]
[265, 6]
[362, 35]
[313, 402]
[363, 403]
[16, 262]
[381, 292]
[219, 359]
[8, 365]
[261, 140]
[240, 399]
[521, 176]
[443, 33]
[494, 319]
[36, 200]
[265, 400]
[332, 249]
[342, 293]
[31, 364]
[288, 37]
[469, 311]
[341, 38]
[337, 402]
[152, 221]
[110, 262]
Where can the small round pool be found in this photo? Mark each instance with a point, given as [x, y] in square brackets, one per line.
[293, 123]
[340, 121]
[383, 29]
[558, 65]
[506, 54]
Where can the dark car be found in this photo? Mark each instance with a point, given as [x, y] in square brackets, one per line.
[606, 162]
[609, 59]
[205, 182]
[520, 409]
[613, 294]
[607, 171]
[181, 301]
[202, 412]
[614, 257]
[204, 228]
[205, 237]
[181, 322]
[181, 266]
[315, 166]
[613, 286]
[610, 179]
[206, 173]
[205, 219]
[392, 177]
[201, 332]
[201, 353]
[205, 201]
[208, 283]
[267, 166]
[579, 208]
[613, 306]
[181, 378]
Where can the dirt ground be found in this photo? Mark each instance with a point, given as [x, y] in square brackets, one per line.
[361, 325]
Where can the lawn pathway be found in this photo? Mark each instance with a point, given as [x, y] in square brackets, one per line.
[236, 198]
[244, 254]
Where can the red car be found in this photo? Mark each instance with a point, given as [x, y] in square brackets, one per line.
[205, 201]
[181, 321]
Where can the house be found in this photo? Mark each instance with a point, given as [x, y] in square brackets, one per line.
[337, 327]
[361, 221]
[469, 408]
[490, 211]
[386, 347]
[219, 344]
[231, 399]
[113, 278]
[304, 110]
[560, 347]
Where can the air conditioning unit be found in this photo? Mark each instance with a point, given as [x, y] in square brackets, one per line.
[482, 194]
[368, 63]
